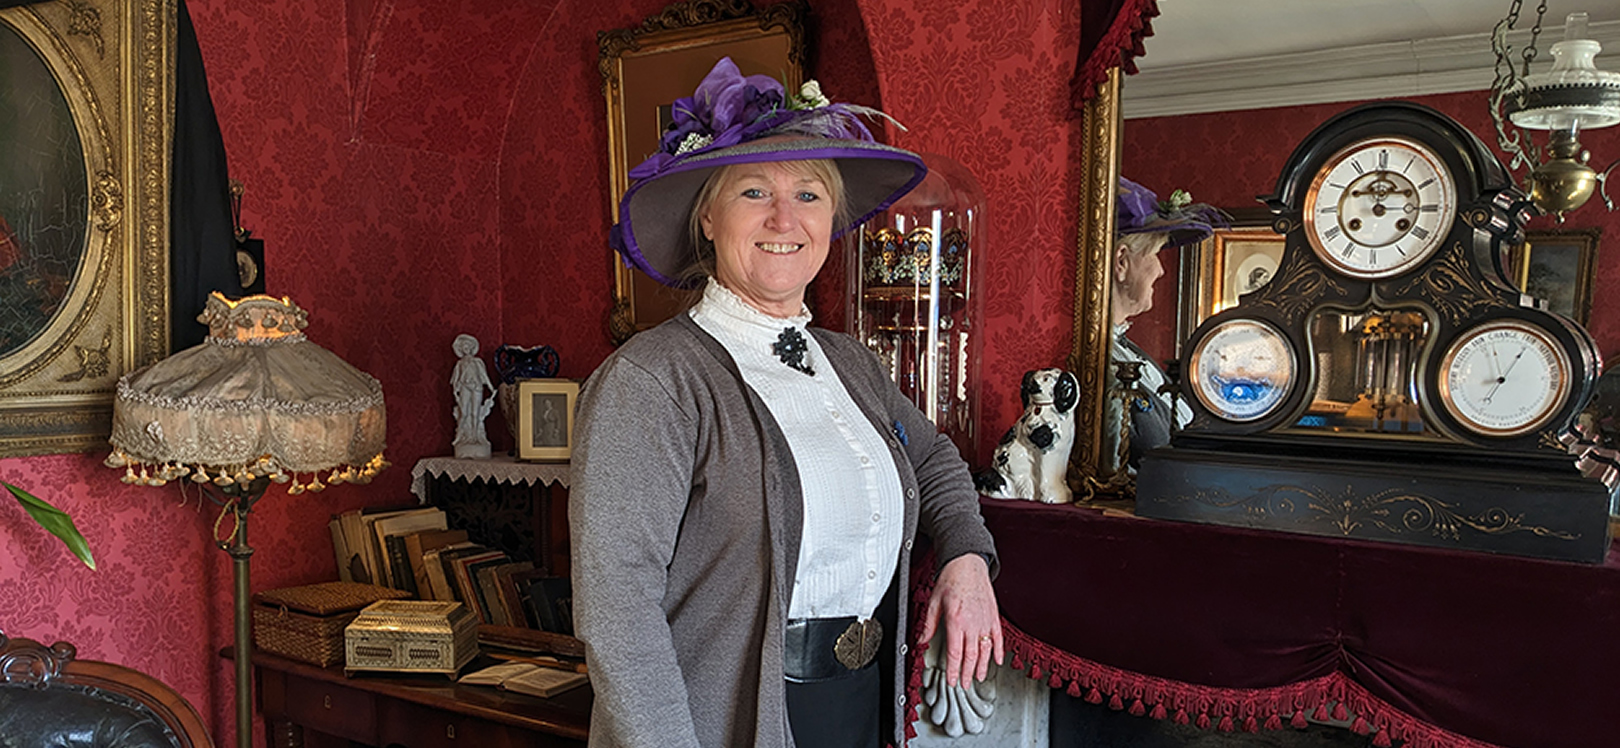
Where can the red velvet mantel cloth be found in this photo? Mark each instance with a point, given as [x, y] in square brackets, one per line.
[1240, 629]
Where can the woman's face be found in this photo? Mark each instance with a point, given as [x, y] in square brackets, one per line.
[1134, 274]
[771, 227]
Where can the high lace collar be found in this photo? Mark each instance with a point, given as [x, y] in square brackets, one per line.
[727, 308]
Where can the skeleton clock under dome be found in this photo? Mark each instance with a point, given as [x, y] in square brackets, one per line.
[1390, 382]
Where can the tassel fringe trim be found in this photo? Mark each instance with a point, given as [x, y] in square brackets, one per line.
[1224, 709]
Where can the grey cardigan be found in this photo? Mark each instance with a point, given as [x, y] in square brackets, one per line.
[685, 518]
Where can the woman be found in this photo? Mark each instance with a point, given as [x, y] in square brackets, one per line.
[746, 488]
[1144, 226]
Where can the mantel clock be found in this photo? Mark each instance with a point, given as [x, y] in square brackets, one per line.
[1390, 382]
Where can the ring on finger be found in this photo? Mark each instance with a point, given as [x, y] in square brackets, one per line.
[985, 639]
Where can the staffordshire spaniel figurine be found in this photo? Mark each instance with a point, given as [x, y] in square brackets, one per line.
[1033, 456]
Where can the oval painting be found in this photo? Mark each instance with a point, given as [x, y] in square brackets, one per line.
[44, 194]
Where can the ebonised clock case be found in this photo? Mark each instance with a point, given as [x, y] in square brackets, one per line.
[1453, 486]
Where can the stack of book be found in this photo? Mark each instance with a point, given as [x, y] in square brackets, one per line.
[411, 549]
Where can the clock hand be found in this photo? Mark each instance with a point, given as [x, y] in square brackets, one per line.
[1513, 363]
[1503, 376]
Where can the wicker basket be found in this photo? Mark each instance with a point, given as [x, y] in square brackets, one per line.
[306, 623]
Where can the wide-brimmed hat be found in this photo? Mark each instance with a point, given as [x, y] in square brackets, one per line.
[1185, 222]
[733, 119]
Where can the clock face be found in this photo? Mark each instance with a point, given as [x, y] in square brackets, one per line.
[1379, 207]
[1242, 370]
[1505, 378]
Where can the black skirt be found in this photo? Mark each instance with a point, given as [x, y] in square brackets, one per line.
[838, 713]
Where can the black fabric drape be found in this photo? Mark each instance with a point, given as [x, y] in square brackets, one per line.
[202, 255]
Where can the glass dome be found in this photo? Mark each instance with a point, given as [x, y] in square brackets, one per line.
[912, 276]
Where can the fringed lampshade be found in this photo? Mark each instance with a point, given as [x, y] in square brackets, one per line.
[255, 403]
[256, 399]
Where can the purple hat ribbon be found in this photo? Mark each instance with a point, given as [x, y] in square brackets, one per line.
[729, 108]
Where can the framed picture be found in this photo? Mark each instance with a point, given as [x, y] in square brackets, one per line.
[546, 419]
[1219, 270]
[1556, 266]
[646, 69]
[86, 124]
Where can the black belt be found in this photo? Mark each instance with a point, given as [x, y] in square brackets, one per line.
[817, 649]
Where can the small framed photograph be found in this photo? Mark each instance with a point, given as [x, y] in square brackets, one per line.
[1215, 273]
[546, 419]
[1557, 266]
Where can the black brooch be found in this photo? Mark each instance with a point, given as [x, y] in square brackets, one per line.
[790, 347]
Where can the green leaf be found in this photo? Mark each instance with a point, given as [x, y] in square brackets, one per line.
[55, 521]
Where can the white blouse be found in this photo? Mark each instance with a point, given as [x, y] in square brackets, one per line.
[853, 508]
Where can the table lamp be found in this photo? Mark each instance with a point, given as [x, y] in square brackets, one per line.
[255, 403]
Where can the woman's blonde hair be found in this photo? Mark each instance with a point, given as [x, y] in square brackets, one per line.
[703, 264]
[1144, 243]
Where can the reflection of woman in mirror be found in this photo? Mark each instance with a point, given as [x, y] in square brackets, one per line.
[1144, 227]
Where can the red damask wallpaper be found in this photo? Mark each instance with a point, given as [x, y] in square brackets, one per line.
[420, 169]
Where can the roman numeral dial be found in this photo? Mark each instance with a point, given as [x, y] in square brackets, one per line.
[1380, 207]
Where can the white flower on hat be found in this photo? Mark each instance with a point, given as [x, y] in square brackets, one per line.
[694, 141]
[810, 96]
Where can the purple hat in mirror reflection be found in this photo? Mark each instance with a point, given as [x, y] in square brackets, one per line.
[1183, 221]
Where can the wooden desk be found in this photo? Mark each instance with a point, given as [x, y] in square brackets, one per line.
[307, 706]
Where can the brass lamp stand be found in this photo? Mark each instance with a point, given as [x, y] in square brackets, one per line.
[237, 500]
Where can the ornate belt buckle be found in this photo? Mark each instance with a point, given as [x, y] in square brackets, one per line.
[858, 644]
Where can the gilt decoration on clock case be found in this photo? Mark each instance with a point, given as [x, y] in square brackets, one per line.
[1391, 383]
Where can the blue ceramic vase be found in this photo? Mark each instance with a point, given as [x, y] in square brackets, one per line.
[514, 363]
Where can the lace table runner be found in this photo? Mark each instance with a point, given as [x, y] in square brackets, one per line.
[498, 469]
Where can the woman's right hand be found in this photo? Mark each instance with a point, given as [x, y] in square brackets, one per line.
[965, 603]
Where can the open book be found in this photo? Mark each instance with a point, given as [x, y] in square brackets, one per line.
[522, 677]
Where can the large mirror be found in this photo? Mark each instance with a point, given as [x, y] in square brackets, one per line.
[1216, 109]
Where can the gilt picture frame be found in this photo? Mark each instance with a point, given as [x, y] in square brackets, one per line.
[84, 213]
[545, 430]
[1557, 266]
[646, 69]
[1215, 273]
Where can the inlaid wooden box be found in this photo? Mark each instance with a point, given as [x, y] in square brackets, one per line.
[411, 636]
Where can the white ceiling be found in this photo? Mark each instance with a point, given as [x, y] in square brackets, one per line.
[1207, 55]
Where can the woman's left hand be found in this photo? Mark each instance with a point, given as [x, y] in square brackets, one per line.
[966, 604]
